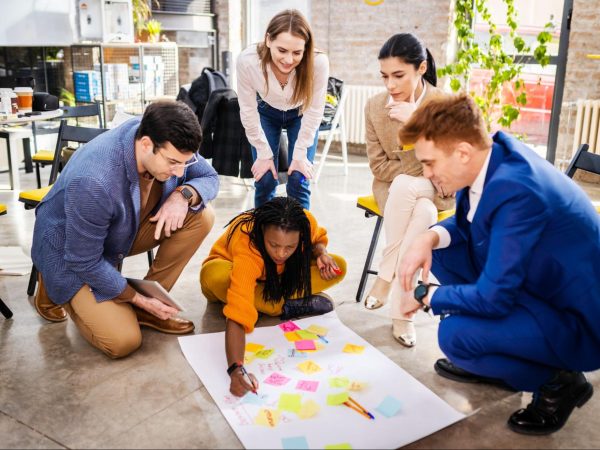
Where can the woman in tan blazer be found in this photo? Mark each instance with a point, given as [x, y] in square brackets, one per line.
[408, 200]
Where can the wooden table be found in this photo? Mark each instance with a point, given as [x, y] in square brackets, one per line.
[12, 134]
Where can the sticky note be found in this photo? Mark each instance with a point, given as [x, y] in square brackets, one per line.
[309, 367]
[307, 385]
[322, 331]
[249, 357]
[357, 385]
[264, 354]
[292, 336]
[293, 353]
[289, 326]
[307, 335]
[305, 345]
[291, 443]
[290, 402]
[253, 348]
[337, 399]
[253, 399]
[342, 446]
[276, 379]
[390, 406]
[339, 382]
[318, 346]
[309, 409]
[351, 348]
[268, 418]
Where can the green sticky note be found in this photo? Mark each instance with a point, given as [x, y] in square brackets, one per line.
[290, 402]
[339, 382]
[306, 335]
[264, 354]
[337, 399]
[336, 446]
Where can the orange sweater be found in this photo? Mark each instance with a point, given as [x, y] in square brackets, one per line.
[248, 267]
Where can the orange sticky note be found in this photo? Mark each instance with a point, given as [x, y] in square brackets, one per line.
[292, 336]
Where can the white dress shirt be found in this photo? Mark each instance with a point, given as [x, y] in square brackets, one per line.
[474, 197]
[250, 81]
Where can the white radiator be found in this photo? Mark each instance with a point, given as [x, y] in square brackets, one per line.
[354, 111]
[587, 125]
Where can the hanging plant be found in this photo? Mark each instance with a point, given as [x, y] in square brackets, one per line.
[504, 68]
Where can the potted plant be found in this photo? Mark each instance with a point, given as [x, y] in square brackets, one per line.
[153, 28]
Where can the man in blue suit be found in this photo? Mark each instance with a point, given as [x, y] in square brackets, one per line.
[127, 191]
[518, 265]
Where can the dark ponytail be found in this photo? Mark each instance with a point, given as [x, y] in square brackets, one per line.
[411, 50]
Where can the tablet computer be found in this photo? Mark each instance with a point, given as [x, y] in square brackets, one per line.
[154, 289]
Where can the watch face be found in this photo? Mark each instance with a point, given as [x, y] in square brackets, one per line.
[187, 193]
[421, 292]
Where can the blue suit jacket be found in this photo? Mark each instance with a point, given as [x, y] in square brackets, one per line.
[88, 221]
[535, 242]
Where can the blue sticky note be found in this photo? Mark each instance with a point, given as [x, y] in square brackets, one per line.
[293, 353]
[254, 399]
[390, 406]
[292, 443]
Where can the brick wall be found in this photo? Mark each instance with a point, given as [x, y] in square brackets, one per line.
[352, 32]
[582, 80]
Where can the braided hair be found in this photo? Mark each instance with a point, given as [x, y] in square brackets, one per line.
[288, 215]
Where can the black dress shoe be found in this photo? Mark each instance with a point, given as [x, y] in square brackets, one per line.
[552, 404]
[445, 368]
[315, 305]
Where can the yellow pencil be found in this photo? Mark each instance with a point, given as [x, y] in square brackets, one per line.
[361, 412]
[362, 408]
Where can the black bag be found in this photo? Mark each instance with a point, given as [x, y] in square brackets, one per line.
[332, 99]
[200, 90]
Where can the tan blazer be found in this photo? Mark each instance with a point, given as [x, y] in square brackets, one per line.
[386, 157]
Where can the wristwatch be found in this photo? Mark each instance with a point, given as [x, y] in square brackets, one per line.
[186, 192]
[232, 368]
[421, 292]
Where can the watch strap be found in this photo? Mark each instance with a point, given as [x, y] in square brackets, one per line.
[233, 367]
[186, 192]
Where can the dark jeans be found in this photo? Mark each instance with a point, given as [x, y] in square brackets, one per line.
[273, 121]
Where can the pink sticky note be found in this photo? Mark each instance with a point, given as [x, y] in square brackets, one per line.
[276, 379]
[305, 345]
[289, 326]
[306, 385]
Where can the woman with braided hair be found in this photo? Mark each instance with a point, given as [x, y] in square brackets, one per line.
[271, 259]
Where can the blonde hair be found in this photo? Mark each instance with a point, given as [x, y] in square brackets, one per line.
[292, 21]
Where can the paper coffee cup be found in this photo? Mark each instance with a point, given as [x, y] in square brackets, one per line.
[24, 98]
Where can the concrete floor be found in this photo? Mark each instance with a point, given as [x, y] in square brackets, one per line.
[56, 391]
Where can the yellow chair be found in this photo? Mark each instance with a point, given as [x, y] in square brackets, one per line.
[5, 310]
[372, 210]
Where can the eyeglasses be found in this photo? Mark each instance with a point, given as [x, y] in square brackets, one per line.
[185, 165]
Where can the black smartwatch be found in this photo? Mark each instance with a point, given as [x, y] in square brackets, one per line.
[421, 292]
[232, 368]
[186, 192]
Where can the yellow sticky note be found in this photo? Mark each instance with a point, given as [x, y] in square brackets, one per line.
[249, 357]
[339, 382]
[253, 348]
[264, 354]
[309, 409]
[337, 399]
[268, 418]
[309, 367]
[290, 402]
[321, 331]
[408, 147]
[292, 336]
[357, 385]
[307, 335]
[351, 348]
[342, 446]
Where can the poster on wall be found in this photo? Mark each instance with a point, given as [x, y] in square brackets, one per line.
[261, 12]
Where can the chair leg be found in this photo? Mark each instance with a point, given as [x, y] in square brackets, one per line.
[150, 257]
[324, 155]
[32, 281]
[5, 310]
[367, 269]
[344, 144]
[37, 175]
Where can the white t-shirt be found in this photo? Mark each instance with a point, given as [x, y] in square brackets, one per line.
[250, 81]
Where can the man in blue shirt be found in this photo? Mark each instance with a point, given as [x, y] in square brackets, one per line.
[133, 188]
[517, 265]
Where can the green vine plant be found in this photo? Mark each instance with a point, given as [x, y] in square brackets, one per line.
[504, 67]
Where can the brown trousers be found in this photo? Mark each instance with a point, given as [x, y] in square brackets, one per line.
[112, 327]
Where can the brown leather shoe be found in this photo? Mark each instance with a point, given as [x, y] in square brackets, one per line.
[170, 326]
[45, 307]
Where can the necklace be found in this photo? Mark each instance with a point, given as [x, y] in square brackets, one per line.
[283, 85]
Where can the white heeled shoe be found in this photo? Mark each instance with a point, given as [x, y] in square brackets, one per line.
[404, 332]
[372, 302]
